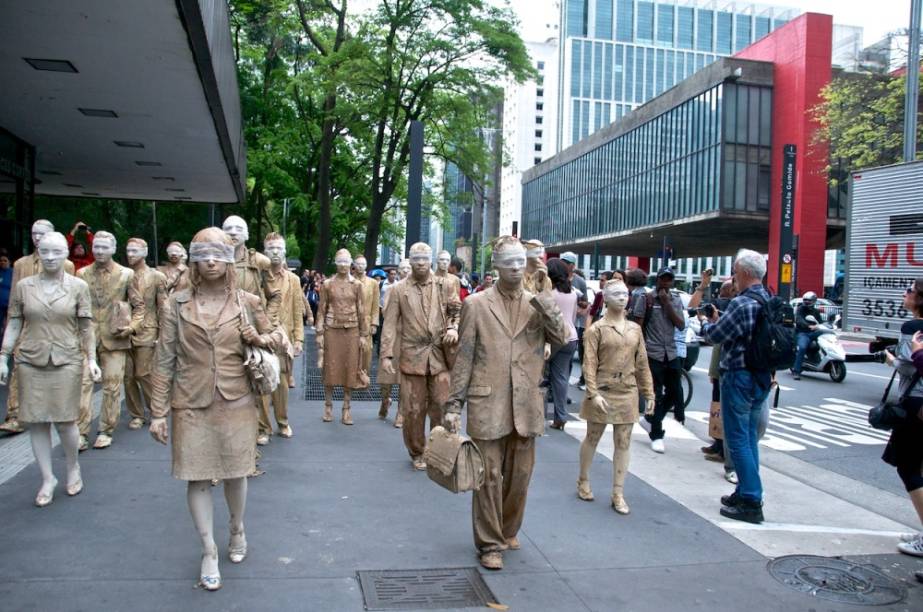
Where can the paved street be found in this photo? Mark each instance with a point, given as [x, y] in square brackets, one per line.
[337, 499]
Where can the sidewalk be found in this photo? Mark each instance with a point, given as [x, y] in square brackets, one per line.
[338, 499]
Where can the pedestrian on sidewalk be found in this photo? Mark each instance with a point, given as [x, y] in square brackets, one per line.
[744, 387]
[660, 314]
[387, 381]
[200, 377]
[616, 371]
[559, 364]
[583, 305]
[503, 331]
[905, 446]
[51, 331]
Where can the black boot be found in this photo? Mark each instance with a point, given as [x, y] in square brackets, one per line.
[731, 500]
[745, 510]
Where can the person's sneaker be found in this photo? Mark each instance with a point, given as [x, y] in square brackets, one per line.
[730, 500]
[103, 441]
[657, 445]
[747, 511]
[731, 477]
[286, 431]
[262, 439]
[136, 423]
[716, 458]
[84, 444]
[910, 537]
[913, 547]
[492, 560]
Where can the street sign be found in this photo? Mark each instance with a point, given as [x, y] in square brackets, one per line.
[786, 273]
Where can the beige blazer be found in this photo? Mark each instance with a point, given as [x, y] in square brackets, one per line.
[50, 333]
[498, 368]
[419, 339]
[194, 359]
[151, 285]
[106, 289]
[290, 312]
[370, 297]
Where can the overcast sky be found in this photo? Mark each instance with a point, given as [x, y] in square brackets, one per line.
[877, 17]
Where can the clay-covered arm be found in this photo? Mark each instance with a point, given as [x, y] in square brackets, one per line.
[161, 294]
[138, 308]
[461, 372]
[643, 372]
[453, 307]
[390, 326]
[591, 360]
[273, 298]
[360, 309]
[164, 362]
[270, 336]
[552, 319]
[298, 308]
[321, 317]
[376, 311]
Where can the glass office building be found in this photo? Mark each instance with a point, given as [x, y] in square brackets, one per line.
[676, 159]
[618, 54]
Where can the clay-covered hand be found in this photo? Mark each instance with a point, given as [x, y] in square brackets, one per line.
[649, 405]
[123, 332]
[451, 421]
[387, 365]
[600, 403]
[4, 370]
[547, 352]
[299, 348]
[374, 330]
[159, 430]
[95, 373]
[540, 274]
[365, 342]
[451, 337]
[250, 335]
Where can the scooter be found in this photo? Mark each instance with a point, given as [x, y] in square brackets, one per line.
[825, 353]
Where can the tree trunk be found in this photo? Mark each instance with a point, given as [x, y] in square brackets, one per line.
[323, 184]
[373, 228]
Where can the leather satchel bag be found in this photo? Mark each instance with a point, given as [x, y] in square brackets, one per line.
[453, 462]
[889, 414]
[119, 316]
[261, 365]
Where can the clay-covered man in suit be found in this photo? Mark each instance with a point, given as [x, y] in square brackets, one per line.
[500, 359]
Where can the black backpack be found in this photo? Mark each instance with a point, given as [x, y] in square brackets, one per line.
[772, 346]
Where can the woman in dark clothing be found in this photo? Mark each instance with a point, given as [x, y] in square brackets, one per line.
[905, 447]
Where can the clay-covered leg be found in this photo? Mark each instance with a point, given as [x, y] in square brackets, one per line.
[347, 417]
[235, 494]
[594, 432]
[621, 436]
[199, 498]
[328, 404]
[70, 439]
[40, 436]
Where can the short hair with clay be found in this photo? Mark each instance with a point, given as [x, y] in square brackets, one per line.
[271, 236]
[104, 235]
[138, 241]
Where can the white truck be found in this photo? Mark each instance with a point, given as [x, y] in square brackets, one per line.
[884, 249]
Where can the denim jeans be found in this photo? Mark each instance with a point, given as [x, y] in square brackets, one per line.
[742, 402]
[803, 340]
[559, 366]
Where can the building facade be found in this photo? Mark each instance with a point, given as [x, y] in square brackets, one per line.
[529, 127]
[618, 54]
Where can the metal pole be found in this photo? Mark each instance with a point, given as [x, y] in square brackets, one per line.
[156, 244]
[414, 187]
[912, 92]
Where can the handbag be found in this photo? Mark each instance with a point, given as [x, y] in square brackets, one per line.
[261, 365]
[889, 414]
[453, 462]
[119, 316]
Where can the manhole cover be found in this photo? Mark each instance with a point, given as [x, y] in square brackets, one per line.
[429, 589]
[313, 379]
[837, 580]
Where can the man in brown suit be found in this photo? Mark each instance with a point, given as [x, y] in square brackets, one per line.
[152, 286]
[425, 310]
[290, 318]
[24, 267]
[499, 367]
[118, 312]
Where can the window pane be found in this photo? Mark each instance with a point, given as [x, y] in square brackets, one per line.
[576, 54]
[624, 20]
[604, 19]
[639, 76]
[723, 42]
[645, 22]
[704, 34]
[685, 19]
[763, 24]
[587, 68]
[742, 37]
[665, 24]
[597, 70]
[629, 73]
[576, 17]
[607, 72]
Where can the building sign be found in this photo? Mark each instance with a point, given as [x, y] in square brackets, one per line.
[787, 233]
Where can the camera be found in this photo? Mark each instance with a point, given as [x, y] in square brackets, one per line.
[708, 310]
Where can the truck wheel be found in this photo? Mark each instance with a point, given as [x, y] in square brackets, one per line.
[837, 371]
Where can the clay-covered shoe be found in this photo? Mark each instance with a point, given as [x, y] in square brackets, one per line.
[418, 463]
[583, 490]
[45, 494]
[328, 413]
[513, 543]
[286, 431]
[84, 444]
[347, 418]
[136, 423]
[12, 426]
[103, 441]
[492, 560]
[237, 547]
[619, 504]
[399, 420]
[262, 439]
[385, 406]
[75, 486]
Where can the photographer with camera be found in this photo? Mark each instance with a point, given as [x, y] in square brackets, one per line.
[80, 245]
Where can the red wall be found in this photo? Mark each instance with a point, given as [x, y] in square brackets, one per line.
[800, 51]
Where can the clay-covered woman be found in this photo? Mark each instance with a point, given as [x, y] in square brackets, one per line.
[200, 379]
[615, 370]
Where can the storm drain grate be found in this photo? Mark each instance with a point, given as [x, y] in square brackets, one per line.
[313, 379]
[837, 580]
[427, 589]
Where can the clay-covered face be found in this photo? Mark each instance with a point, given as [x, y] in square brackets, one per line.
[211, 270]
[443, 261]
[175, 254]
[361, 265]
[275, 251]
[510, 262]
[343, 263]
[103, 249]
[135, 253]
[52, 251]
[403, 269]
[420, 261]
[236, 228]
[616, 295]
[39, 229]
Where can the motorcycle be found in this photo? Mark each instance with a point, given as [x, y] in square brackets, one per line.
[825, 353]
